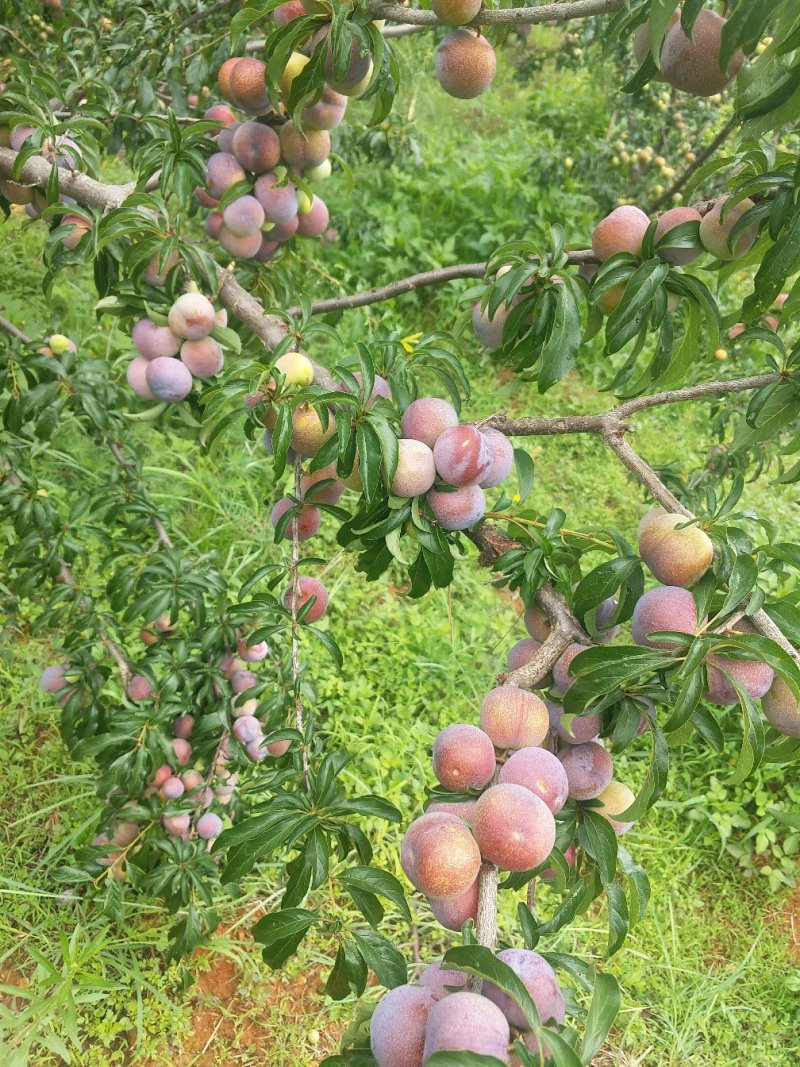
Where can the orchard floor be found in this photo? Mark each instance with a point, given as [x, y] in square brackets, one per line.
[710, 977]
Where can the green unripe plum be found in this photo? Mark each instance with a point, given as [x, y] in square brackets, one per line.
[192, 316]
[427, 418]
[306, 589]
[780, 708]
[223, 171]
[304, 202]
[320, 173]
[278, 201]
[755, 678]
[502, 459]
[437, 978]
[676, 216]
[313, 223]
[151, 340]
[513, 827]
[620, 231]
[539, 979]
[397, 1027]
[465, 64]
[248, 86]
[467, 1022]
[60, 344]
[539, 771]
[308, 520]
[244, 216]
[439, 856]
[256, 147]
[460, 509]
[306, 149]
[715, 231]
[456, 12]
[614, 800]
[514, 718]
[416, 471]
[203, 358]
[667, 607]
[453, 913]
[169, 379]
[463, 757]
[693, 64]
[308, 434]
[136, 375]
[462, 456]
[296, 368]
[675, 556]
[240, 247]
[589, 769]
[330, 494]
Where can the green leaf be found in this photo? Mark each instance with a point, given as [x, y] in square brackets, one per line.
[741, 582]
[618, 922]
[482, 962]
[561, 347]
[382, 957]
[374, 880]
[600, 841]
[603, 1010]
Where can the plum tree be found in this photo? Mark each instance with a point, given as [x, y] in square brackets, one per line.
[513, 827]
[676, 553]
[463, 757]
[589, 769]
[514, 718]
[465, 64]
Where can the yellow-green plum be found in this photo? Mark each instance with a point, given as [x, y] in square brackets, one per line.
[456, 12]
[192, 316]
[458, 510]
[463, 757]
[755, 678]
[667, 607]
[465, 64]
[454, 912]
[320, 173]
[303, 149]
[152, 341]
[427, 418]
[467, 1022]
[620, 231]
[296, 368]
[780, 708]
[692, 64]
[397, 1027]
[615, 799]
[416, 471]
[315, 222]
[308, 433]
[223, 171]
[677, 554]
[306, 589]
[676, 216]
[136, 376]
[538, 978]
[204, 358]
[589, 769]
[502, 459]
[513, 827]
[539, 771]
[278, 201]
[308, 519]
[717, 226]
[440, 856]
[514, 718]
[438, 978]
[244, 216]
[169, 380]
[462, 455]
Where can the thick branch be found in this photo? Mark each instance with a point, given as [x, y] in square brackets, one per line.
[80, 187]
[528, 676]
[576, 9]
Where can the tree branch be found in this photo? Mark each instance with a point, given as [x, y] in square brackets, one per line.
[707, 153]
[200, 16]
[561, 12]
[80, 187]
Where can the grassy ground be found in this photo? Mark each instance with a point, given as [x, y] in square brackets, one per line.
[709, 978]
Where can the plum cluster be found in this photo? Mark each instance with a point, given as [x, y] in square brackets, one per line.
[170, 355]
[691, 64]
[679, 553]
[414, 1022]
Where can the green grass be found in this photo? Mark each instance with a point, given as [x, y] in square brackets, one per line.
[707, 977]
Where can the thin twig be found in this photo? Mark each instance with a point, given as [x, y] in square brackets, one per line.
[295, 597]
